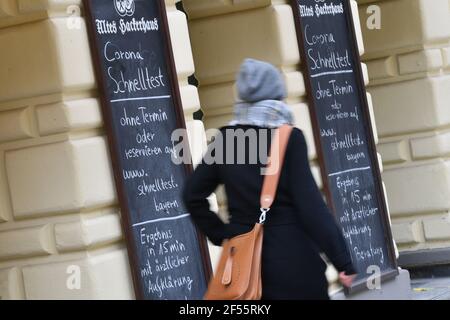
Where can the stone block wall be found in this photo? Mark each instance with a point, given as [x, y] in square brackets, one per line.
[58, 204]
[409, 69]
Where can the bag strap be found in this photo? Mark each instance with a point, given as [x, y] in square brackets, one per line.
[273, 170]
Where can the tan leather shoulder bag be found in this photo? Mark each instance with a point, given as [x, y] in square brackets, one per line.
[238, 275]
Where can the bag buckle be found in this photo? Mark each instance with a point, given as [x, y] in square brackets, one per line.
[262, 217]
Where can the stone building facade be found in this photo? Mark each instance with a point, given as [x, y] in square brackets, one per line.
[409, 67]
[58, 204]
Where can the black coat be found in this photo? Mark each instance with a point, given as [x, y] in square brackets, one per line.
[298, 227]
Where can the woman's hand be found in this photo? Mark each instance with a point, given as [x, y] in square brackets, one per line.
[346, 280]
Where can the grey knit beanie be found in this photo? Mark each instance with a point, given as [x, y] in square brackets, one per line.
[258, 80]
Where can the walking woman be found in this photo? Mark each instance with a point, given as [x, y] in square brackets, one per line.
[299, 225]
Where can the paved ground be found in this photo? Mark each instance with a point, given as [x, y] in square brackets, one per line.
[431, 289]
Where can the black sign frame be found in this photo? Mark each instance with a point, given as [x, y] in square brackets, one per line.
[360, 285]
[115, 152]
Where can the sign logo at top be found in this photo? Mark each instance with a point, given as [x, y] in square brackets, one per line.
[125, 8]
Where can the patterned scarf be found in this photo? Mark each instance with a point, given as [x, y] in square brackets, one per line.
[265, 113]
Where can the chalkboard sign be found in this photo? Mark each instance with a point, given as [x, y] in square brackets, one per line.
[141, 105]
[343, 132]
